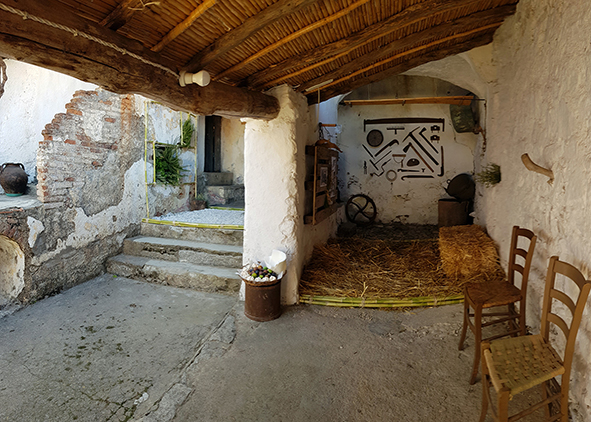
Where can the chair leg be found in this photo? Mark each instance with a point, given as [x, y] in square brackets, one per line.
[477, 340]
[485, 390]
[564, 403]
[503, 405]
[548, 407]
[514, 324]
[465, 324]
[522, 318]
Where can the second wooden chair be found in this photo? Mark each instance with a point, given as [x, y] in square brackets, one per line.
[513, 365]
[479, 296]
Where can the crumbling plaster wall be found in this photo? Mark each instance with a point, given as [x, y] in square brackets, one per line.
[91, 188]
[30, 100]
[274, 176]
[91, 191]
[413, 200]
[540, 105]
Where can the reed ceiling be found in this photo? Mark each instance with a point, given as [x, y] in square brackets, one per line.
[258, 44]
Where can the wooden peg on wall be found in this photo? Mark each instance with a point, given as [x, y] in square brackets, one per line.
[531, 166]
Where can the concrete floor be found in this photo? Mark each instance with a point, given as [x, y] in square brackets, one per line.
[114, 349]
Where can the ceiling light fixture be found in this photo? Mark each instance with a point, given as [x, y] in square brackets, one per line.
[200, 78]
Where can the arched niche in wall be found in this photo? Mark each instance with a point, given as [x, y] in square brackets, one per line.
[12, 268]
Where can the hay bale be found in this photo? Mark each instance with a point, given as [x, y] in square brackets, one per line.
[468, 254]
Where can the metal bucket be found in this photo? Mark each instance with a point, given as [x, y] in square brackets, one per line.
[262, 300]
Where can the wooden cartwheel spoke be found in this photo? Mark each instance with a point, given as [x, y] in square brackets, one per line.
[367, 210]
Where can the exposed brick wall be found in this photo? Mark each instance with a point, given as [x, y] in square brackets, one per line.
[79, 162]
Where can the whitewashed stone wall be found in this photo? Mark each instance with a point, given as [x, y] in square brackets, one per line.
[412, 200]
[233, 148]
[274, 176]
[541, 105]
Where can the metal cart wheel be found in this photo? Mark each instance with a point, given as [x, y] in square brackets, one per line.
[361, 210]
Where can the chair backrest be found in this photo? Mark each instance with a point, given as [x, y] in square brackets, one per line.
[575, 302]
[527, 256]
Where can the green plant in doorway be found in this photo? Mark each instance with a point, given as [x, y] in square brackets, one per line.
[169, 169]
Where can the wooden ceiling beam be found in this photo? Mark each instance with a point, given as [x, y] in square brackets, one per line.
[291, 37]
[184, 25]
[426, 57]
[44, 45]
[452, 99]
[328, 52]
[56, 12]
[418, 39]
[121, 14]
[249, 27]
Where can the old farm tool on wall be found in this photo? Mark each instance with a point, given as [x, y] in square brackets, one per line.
[382, 168]
[426, 140]
[388, 145]
[395, 129]
[406, 148]
[417, 176]
[375, 138]
[420, 145]
[368, 151]
[361, 210]
[442, 169]
[403, 120]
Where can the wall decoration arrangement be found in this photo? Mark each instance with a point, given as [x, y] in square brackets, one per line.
[375, 138]
[416, 156]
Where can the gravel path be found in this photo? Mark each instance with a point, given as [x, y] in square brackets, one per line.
[206, 216]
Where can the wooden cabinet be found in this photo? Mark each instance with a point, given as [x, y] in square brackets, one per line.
[322, 192]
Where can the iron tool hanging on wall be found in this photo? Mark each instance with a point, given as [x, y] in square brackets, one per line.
[404, 120]
[416, 151]
[375, 138]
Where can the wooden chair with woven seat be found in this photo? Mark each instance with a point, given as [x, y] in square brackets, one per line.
[514, 365]
[497, 293]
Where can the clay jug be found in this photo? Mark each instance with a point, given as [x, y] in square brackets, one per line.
[13, 179]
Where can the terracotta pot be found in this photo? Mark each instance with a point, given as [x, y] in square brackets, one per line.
[13, 179]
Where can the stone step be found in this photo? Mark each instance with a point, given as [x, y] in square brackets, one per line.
[221, 195]
[179, 250]
[177, 274]
[205, 235]
[218, 178]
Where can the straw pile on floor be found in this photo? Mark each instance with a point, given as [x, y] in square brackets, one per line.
[468, 254]
[377, 265]
[374, 268]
